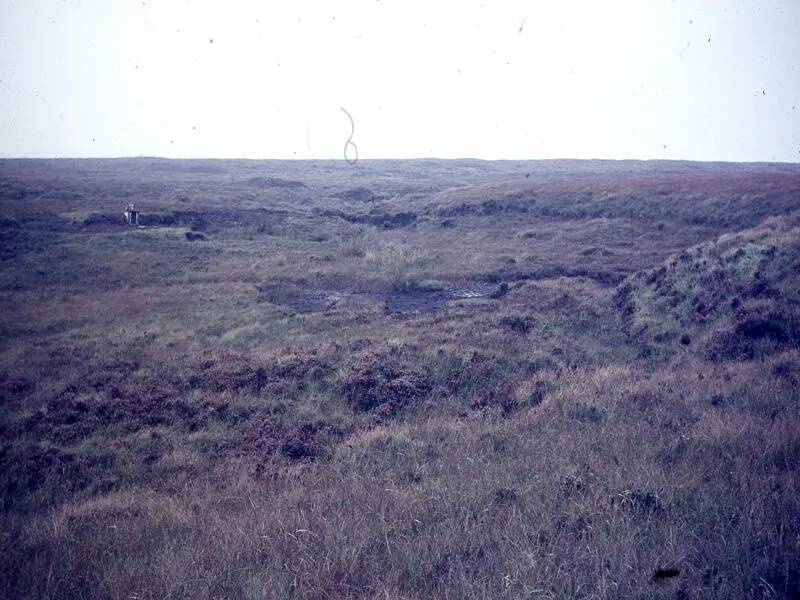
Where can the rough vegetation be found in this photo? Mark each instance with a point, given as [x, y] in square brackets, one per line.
[736, 294]
[403, 379]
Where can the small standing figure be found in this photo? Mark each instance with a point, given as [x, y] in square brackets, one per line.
[131, 215]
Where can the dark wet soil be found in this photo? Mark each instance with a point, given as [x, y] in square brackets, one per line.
[318, 300]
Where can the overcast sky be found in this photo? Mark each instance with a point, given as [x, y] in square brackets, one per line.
[681, 79]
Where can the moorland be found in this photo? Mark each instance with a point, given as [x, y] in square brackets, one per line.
[399, 379]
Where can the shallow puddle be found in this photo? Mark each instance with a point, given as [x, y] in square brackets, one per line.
[319, 300]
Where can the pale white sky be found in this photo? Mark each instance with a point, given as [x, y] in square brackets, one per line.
[488, 79]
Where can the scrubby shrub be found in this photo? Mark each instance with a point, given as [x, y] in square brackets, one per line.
[392, 263]
[356, 241]
[384, 387]
[758, 332]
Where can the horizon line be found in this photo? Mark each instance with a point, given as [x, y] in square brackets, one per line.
[384, 159]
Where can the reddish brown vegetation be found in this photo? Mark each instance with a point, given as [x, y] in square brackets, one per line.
[613, 415]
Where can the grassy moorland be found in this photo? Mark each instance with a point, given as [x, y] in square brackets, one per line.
[399, 379]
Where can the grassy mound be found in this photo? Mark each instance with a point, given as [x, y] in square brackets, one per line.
[737, 294]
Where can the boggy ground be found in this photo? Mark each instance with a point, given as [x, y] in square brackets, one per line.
[402, 379]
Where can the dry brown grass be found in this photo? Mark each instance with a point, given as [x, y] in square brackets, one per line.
[171, 427]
